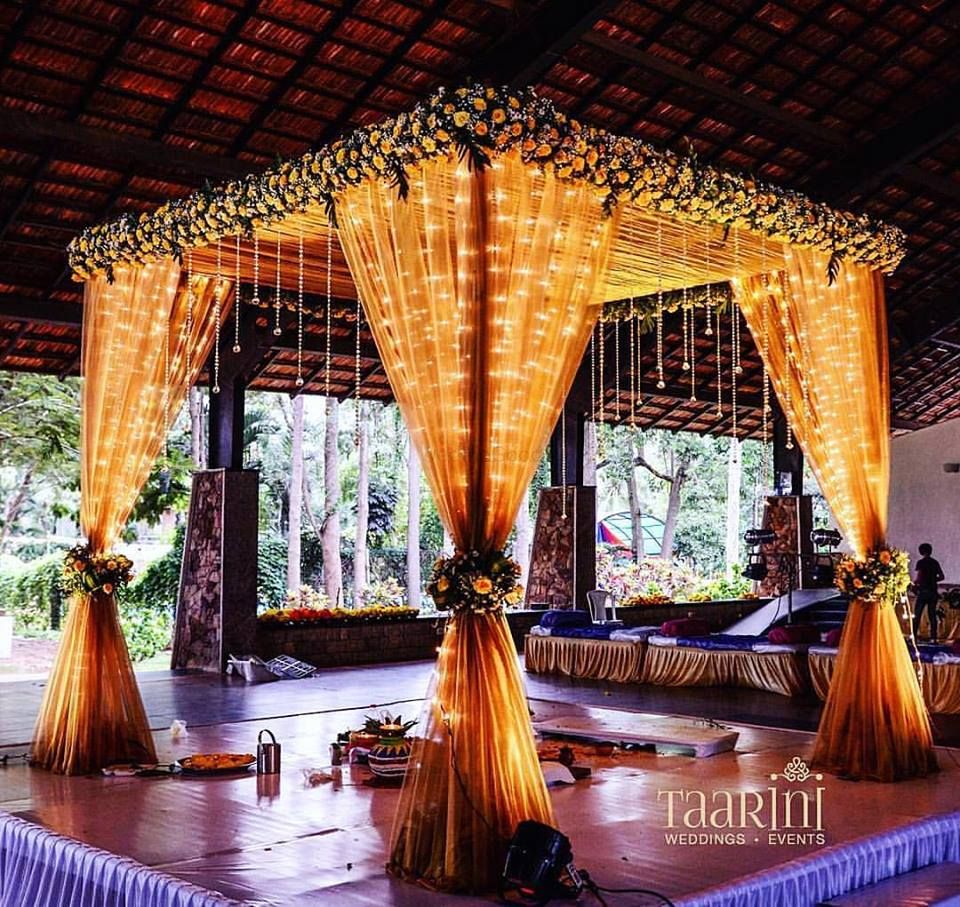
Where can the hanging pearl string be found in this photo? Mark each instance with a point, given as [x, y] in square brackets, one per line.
[616, 371]
[326, 364]
[593, 373]
[236, 297]
[633, 364]
[601, 391]
[356, 374]
[188, 330]
[255, 299]
[660, 382]
[217, 307]
[277, 330]
[300, 307]
[734, 313]
[693, 354]
[719, 365]
[563, 459]
[166, 388]
[788, 376]
[765, 339]
[639, 362]
[683, 303]
[709, 330]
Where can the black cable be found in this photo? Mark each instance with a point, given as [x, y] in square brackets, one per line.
[595, 889]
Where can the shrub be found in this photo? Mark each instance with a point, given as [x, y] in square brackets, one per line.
[32, 594]
[387, 593]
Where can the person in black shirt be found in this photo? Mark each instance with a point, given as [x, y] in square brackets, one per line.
[927, 575]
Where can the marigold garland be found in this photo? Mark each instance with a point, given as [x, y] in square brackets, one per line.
[86, 573]
[883, 576]
[477, 122]
[471, 581]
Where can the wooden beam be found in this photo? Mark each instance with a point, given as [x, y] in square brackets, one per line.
[524, 54]
[893, 151]
[702, 85]
[25, 130]
[38, 310]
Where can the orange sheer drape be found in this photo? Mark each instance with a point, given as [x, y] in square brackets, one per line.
[479, 290]
[826, 351]
[92, 713]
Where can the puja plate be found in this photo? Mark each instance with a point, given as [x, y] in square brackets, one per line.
[216, 763]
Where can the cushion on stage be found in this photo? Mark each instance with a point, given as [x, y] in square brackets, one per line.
[570, 618]
[794, 634]
[832, 639]
[720, 642]
[581, 632]
[685, 626]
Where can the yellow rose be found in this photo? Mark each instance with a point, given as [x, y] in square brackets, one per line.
[884, 557]
[108, 588]
[482, 585]
[499, 115]
[443, 584]
[461, 118]
[857, 583]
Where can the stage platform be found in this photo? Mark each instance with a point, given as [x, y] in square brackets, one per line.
[292, 844]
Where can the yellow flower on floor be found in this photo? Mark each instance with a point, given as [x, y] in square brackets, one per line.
[482, 585]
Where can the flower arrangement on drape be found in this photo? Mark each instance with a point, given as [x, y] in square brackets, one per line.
[134, 381]
[825, 347]
[479, 288]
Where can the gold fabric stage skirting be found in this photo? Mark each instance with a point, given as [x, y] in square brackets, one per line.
[629, 662]
[598, 659]
[679, 666]
[941, 683]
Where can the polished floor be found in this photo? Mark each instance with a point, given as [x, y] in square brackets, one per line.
[290, 843]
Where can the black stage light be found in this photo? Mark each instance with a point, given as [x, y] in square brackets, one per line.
[539, 865]
[826, 538]
[756, 568]
[755, 537]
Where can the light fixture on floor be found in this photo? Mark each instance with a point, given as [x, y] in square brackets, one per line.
[539, 865]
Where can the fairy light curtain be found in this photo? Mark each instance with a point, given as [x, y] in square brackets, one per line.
[479, 289]
[826, 352]
[144, 341]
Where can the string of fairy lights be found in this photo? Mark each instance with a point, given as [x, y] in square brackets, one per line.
[225, 273]
[697, 334]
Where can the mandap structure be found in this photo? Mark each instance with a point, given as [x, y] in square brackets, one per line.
[481, 235]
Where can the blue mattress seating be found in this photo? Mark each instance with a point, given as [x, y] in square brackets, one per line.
[582, 632]
[556, 618]
[721, 642]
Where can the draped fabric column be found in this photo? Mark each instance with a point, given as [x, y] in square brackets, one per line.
[134, 381]
[479, 288]
[826, 352]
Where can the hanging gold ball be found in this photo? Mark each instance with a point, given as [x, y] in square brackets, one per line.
[299, 381]
[236, 347]
[686, 366]
[739, 369]
[215, 389]
[661, 384]
[709, 332]
[277, 332]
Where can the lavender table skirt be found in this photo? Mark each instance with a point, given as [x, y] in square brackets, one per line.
[43, 869]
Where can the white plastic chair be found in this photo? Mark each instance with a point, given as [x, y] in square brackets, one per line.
[598, 600]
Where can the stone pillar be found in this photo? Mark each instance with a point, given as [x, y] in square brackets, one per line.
[217, 604]
[791, 518]
[563, 565]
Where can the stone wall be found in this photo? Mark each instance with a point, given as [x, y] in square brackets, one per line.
[370, 643]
